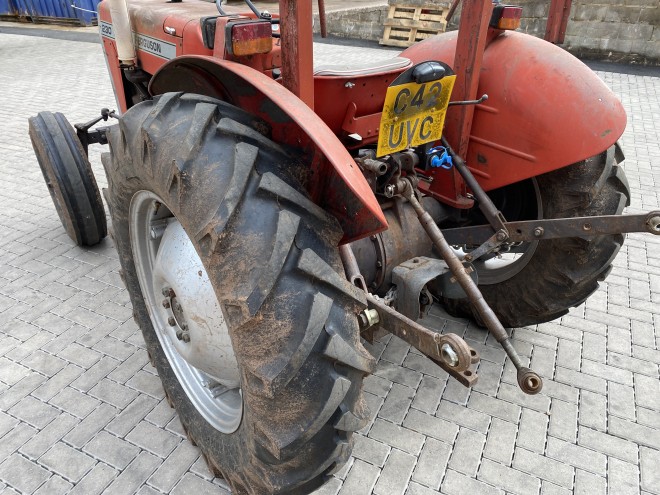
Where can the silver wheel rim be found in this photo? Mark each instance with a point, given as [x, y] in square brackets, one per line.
[184, 312]
[507, 265]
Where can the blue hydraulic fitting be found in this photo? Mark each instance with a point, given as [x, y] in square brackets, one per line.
[440, 158]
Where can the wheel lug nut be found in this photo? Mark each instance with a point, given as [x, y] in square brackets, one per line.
[171, 321]
[167, 291]
[185, 337]
[166, 303]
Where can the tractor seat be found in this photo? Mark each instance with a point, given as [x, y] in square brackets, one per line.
[366, 69]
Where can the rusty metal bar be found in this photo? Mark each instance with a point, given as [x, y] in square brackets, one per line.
[429, 342]
[297, 48]
[322, 21]
[556, 228]
[528, 380]
[472, 38]
[452, 10]
[558, 15]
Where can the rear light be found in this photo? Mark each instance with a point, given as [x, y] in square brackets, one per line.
[249, 38]
[506, 17]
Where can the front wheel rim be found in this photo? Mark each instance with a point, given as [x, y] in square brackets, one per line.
[184, 312]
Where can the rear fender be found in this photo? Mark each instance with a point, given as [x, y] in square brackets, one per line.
[545, 110]
[336, 183]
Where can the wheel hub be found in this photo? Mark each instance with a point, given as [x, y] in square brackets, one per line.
[185, 312]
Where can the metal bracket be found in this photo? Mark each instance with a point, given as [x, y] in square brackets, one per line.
[410, 278]
[448, 351]
[534, 230]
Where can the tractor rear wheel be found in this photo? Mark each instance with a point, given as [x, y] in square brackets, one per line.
[546, 278]
[237, 284]
[69, 178]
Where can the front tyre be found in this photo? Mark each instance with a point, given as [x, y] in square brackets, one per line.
[235, 280]
[549, 277]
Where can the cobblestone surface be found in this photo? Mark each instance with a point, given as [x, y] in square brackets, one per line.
[82, 411]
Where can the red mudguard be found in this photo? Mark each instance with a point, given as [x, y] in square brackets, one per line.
[545, 110]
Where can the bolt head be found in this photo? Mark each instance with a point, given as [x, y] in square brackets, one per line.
[166, 303]
[185, 337]
[171, 321]
[166, 291]
[501, 236]
[538, 231]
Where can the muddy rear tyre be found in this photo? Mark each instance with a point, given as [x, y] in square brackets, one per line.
[69, 178]
[272, 258]
[561, 273]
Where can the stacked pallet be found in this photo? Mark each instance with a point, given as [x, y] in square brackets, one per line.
[407, 24]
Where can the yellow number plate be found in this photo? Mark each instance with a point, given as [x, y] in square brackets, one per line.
[413, 114]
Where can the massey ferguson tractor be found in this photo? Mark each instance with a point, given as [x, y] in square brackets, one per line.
[269, 215]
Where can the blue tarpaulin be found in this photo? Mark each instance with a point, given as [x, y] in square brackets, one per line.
[83, 11]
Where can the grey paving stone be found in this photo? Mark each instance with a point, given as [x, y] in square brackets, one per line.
[153, 439]
[577, 456]
[46, 438]
[74, 402]
[543, 467]
[513, 394]
[22, 474]
[647, 391]
[332, 487]
[501, 441]
[91, 425]
[593, 410]
[430, 426]
[634, 432]
[361, 479]
[67, 462]
[511, 480]
[459, 484]
[54, 486]
[394, 373]
[563, 420]
[113, 393]
[580, 380]
[396, 351]
[174, 467]
[463, 416]
[396, 403]
[394, 477]
[55, 384]
[610, 373]
[34, 412]
[402, 438]
[532, 431]
[650, 460]
[134, 475]
[589, 484]
[495, 407]
[161, 414]
[193, 484]
[428, 394]
[432, 463]
[371, 451]
[114, 451]
[467, 452]
[131, 415]
[622, 477]
[608, 444]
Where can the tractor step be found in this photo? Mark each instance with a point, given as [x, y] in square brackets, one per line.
[407, 24]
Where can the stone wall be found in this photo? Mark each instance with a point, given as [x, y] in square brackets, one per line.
[364, 23]
[615, 30]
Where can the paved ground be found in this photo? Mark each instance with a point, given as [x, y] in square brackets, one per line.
[82, 411]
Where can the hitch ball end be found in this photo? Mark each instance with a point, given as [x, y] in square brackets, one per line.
[653, 223]
[529, 381]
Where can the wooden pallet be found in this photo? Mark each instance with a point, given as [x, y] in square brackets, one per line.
[407, 24]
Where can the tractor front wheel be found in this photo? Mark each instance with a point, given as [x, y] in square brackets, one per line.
[540, 281]
[238, 287]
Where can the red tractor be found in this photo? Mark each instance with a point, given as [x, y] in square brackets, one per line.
[268, 216]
